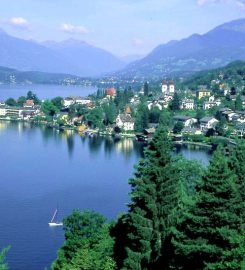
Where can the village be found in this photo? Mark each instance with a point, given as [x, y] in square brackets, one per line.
[190, 115]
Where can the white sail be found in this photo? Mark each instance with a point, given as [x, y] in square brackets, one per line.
[55, 212]
[52, 223]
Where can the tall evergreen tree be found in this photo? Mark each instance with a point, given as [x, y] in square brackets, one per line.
[175, 104]
[153, 196]
[205, 235]
[142, 118]
[237, 165]
[238, 103]
[146, 89]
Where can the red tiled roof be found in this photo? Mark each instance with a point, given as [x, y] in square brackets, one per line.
[111, 91]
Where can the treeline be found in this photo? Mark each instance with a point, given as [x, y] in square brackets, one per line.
[181, 216]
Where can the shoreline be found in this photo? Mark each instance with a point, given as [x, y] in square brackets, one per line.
[91, 132]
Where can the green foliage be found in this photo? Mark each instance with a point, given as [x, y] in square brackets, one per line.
[178, 127]
[232, 74]
[166, 118]
[142, 118]
[237, 165]
[11, 102]
[122, 98]
[238, 103]
[221, 127]
[88, 245]
[3, 264]
[175, 103]
[110, 112]
[158, 193]
[204, 236]
[95, 117]
[58, 102]
[154, 115]
[31, 95]
[200, 114]
[21, 100]
[146, 89]
[49, 109]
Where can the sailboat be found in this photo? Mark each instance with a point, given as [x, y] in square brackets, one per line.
[54, 223]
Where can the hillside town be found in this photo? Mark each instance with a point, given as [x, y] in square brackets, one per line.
[198, 116]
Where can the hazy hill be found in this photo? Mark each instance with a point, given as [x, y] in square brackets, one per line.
[216, 48]
[8, 75]
[72, 57]
[89, 60]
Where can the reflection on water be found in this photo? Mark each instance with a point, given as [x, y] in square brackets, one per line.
[125, 146]
[110, 145]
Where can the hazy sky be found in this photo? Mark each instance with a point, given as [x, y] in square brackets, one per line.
[120, 26]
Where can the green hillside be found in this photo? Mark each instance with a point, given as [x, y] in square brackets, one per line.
[233, 75]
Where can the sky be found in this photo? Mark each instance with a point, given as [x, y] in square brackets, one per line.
[123, 27]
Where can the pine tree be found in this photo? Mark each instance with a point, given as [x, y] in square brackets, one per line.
[204, 236]
[153, 199]
[146, 89]
[237, 165]
[175, 104]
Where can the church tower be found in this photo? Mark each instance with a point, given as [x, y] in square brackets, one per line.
[164, 87]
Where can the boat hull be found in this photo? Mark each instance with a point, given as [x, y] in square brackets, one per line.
[54, 224]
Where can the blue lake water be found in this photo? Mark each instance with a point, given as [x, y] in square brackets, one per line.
[44, 91]
[42, 168]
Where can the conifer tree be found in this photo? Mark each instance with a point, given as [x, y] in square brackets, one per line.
[205, 236]
[146, 89]
[237, 165]
[153, 197]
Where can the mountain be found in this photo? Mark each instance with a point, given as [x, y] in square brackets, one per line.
[131, 58]
[12, 76]
[218, 47]
[88, 59]
[72, 57]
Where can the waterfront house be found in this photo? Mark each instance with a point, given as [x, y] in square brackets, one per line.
[68, 102]
[111, 92]
[187, 121]
[207, 123]
[29, 103]
[191, 131]
[3, 111]
[82, 100]
[125, 122]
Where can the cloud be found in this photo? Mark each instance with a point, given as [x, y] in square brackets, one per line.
[138, 42]
[19, 22]
[74, 29]
[241, 4]
[203, 2]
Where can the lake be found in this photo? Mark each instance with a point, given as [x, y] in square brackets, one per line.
[42, 168]
[44, 91]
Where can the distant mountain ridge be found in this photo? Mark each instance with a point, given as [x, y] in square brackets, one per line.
[13, 76]
[218, 47]
[71, 56]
